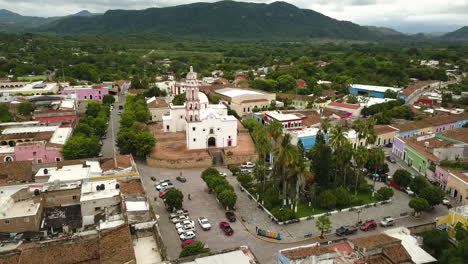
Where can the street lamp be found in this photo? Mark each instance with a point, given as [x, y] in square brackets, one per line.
[358, 213]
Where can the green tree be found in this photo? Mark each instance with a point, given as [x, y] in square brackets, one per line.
[283, 214]
[360, 157]
[80, 146]
[352, 99]
[433, 195]
[286, 82]
[456, 255]
[5, 115]
[84, 129]
[275, 129]
[93, 109]
[417, 184]
[325, 125]
[390, 94]
[418, 204]
[108, 99]
[435, 241]
[384, 193]
[321, 160]
[174, 198]
[461, 231]
[26, 108]
[326, 200]
[286, 158]
[179, 99]
[402, 178]
[343, 197]
[228, 199]
[323, 224]
[193, 249]
[245, 180]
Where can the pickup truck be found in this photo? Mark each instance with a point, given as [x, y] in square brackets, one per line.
[346, 230]
[368, 225]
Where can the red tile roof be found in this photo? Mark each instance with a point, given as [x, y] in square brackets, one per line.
[16, 171]
[384, 129]
[254, 101]
[412, 88]
[55, 119]
[301, 83]
[344, 105]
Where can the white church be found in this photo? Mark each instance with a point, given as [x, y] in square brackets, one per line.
[206, 125]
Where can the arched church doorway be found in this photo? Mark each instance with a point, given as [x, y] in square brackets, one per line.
[211, 142]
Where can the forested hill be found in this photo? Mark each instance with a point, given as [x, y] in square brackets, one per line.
[225, 19]
[460, 34]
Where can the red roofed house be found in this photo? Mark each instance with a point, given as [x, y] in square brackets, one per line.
[355, 110]
[301, 84]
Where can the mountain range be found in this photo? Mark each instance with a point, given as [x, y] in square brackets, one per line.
[222, 20]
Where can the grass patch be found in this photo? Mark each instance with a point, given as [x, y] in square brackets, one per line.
[367, 197]
[306, 210]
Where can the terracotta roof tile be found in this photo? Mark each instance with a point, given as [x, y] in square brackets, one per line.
[397, 254]
[384, 129]
[158, 103]
[430, 122]
[344, 105]
[254, 101]
[123, 161]
[16, 171]
[116, 246]
[378, 259]
[298, 97]
[306, 251]
[373, 241]
[132, 187]
[412, 88]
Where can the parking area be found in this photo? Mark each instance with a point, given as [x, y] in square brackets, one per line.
[204, 204]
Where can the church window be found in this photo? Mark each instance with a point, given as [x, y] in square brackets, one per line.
[211, 131]
[219, 128]
[194, 139]
[191, 118]
[193, 128]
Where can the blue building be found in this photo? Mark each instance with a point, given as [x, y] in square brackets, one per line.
[371, 90]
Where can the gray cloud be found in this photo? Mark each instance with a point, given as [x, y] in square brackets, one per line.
[365, 12]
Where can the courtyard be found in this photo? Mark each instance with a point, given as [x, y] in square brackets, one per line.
[250, 217]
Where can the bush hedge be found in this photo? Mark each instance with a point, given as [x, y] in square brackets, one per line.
[223, 190]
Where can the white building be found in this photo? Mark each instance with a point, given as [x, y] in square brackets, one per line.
[99, 198]
[70, 173]
[206, 125]
[167, 86]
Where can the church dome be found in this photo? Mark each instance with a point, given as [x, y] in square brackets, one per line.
[203, 98]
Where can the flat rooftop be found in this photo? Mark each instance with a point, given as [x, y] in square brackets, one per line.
[374, 88]
[61, 135]
[12, 209]
[31, 87]
[307, 132]
[89, 190]
[284, 116]
[28, 129]
[76, 172]
[237, 92]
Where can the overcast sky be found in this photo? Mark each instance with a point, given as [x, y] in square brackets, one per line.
[404, 15]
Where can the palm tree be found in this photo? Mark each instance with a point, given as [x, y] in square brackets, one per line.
[286, 155]
[275, 129]
[346, 153]
[325, 125]
[338, 137]
[262, 142]
[361, 130]
[301, 174]
[371, 136]
[360, 157]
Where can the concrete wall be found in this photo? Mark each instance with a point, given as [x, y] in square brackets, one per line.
[37, 152]
[180, 163]
[457, 189]
[22, 224]
[385, 138]
[199, 133]
[61, 197]
[441, 175]
[88, 94]
[416, 160]
[88, 208]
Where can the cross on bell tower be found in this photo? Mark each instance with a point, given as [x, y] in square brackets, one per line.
[192, 101]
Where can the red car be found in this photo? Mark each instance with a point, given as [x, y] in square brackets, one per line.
[226, 228]
[186, 243]
[368, 225]
[163, 193]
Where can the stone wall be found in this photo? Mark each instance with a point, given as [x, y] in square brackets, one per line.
[237, 159]
[180, 163]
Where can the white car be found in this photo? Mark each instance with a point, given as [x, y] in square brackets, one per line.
[164, 186]
[185, 229]
[180, 218]
[222, 174]
[409, 191]
[387, 221]
[204, 223]
[187, 235]
[245, 171]
[184, 223]
[248, 165]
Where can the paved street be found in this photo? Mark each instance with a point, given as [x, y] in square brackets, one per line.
[107, 149]
[204, 204]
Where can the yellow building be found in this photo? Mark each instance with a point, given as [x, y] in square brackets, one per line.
[456, 215]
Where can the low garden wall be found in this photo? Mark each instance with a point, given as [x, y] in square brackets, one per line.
[179, 163]
[311, 217]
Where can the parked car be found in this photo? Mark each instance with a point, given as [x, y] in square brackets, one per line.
[153, 178]
[180, 218]
[222, 174]
[204, 223]
[163, 193]
[387, 221]
[391, 159]
[185, 228]
[368, 225]
[231, 216]
[178, 213]
[446, 202]
[187, 235]
[245, 171]
[181, 179]
[408, 191]
[185, 223]
[121, 107]
[248, 165]
[226, 228]
[163, 181]
[164, 186]
[186, 243]
[346, 230]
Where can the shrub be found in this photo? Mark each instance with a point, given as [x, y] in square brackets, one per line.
[271, 198]
[326, 200]
[209, 171]
[228, 198]
[174, 198]
[283, 214]
[245, 180]
[402, 178]
[343, 197]
[195, 248]
[384, 193]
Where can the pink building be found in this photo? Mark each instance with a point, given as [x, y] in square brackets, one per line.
[86, 92]
[38, 152]
[441, 176]
[444, 127]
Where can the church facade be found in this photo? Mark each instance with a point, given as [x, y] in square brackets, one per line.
[206, 125]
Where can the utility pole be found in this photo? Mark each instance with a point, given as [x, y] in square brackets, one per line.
[113, 138]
